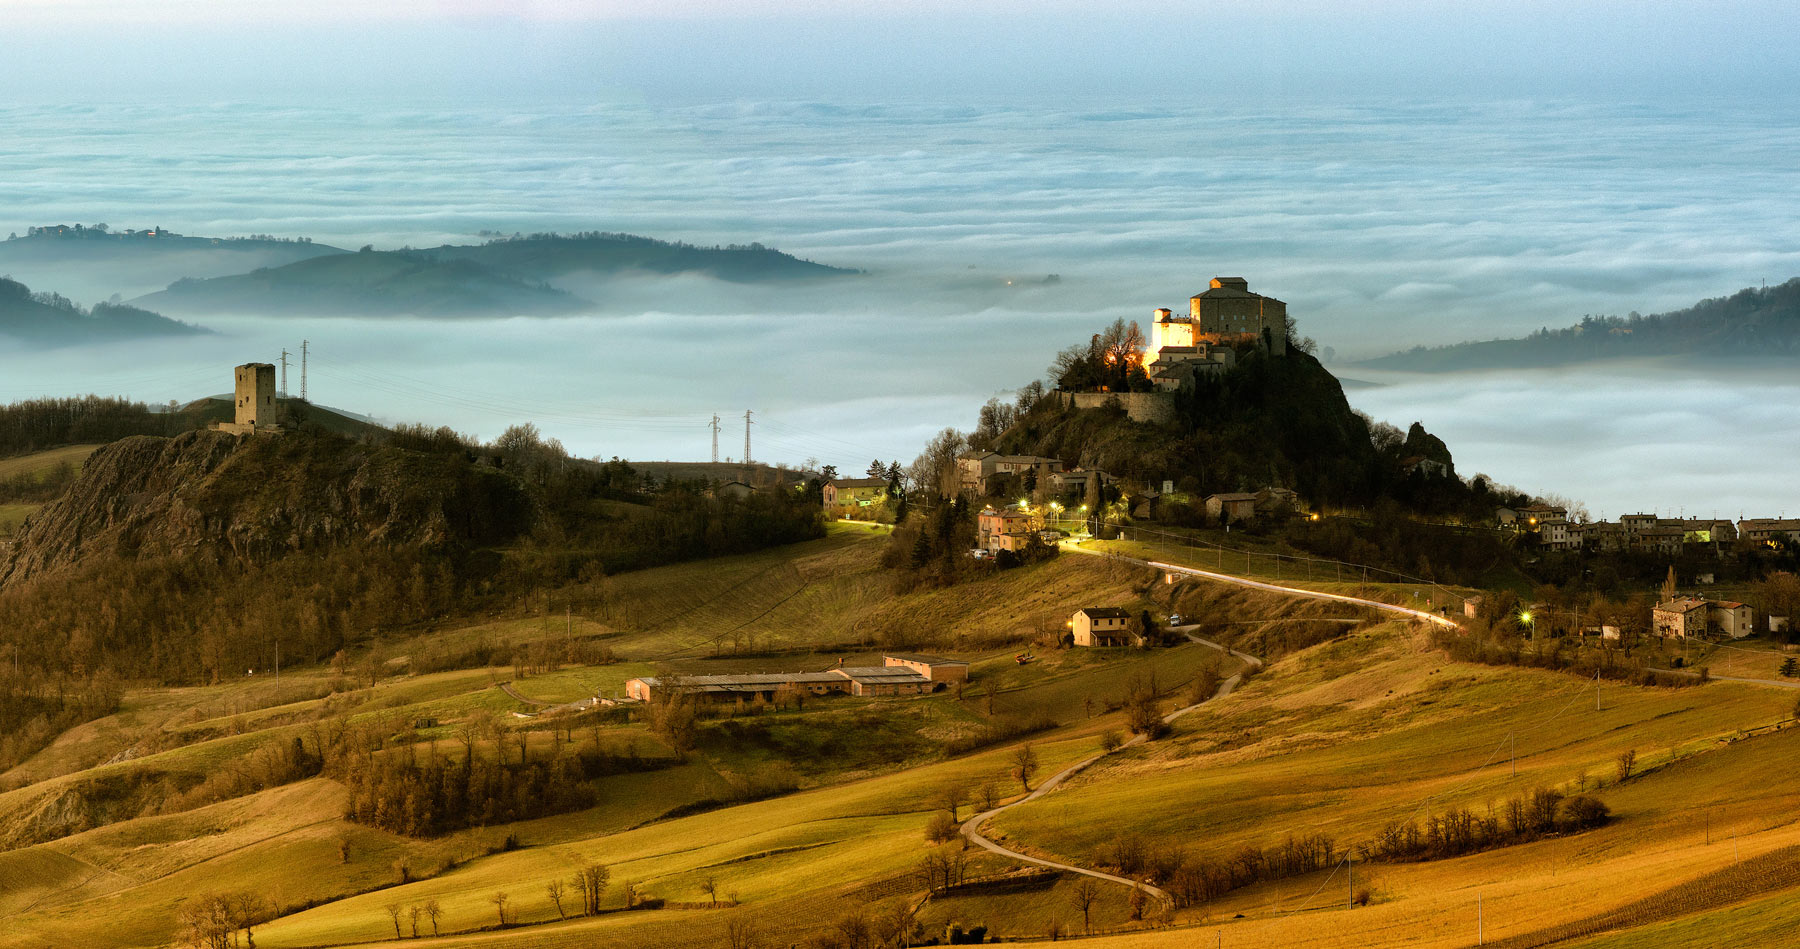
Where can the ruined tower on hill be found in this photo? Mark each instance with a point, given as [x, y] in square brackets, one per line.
[254, 402]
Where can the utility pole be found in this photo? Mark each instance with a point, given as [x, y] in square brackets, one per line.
[284, 358]
[303, 347]
[715, 430]
[1350, 871]
[747, 424]
[277, 659]
[1478, 938]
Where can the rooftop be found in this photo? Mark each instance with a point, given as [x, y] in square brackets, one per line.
[879, 675]
[920, 657]
[858, 482]
[1104, 612]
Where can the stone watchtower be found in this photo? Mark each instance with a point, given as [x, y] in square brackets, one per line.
[254, 403]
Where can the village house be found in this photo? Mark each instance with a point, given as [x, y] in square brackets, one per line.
[980, 472]
[1244, 505]
[1075, 480]
[1664, 540]
[1679, 618]
[1766, 530]
[1553, 532]
[1529, 517]
[1005, 528]
[1730, 618]
[1635, 524]
[855, 492]
[1101, 626]
[1685, 617]
[1240, 506]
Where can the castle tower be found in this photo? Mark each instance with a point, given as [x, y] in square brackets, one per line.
[1229, 310]
[255, 396]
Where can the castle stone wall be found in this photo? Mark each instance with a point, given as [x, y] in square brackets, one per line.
[1156, 408]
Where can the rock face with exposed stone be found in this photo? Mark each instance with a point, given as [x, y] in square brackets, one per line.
[254, 499]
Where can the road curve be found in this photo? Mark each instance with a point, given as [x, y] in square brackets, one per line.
[971, 828]
[1428, 617]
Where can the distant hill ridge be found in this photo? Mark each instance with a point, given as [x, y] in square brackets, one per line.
[1754, 322]
[512, 276]
[48, 320]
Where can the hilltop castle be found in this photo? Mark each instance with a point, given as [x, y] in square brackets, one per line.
[1204, 340]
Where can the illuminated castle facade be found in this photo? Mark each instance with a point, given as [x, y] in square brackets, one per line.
[1202, 340]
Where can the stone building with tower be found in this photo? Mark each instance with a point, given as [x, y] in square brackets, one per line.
[253, 403]
[1218, 319]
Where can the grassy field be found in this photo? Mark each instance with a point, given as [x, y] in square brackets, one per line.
[1342, 737]
[39, 463]
[12, 516]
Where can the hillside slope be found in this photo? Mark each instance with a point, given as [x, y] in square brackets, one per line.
[96, 264]
[48, 320]
[375, 283]
[550, 256]
[1752, 324]
[213, 496]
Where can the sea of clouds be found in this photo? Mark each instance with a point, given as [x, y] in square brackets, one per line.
[1382, 226]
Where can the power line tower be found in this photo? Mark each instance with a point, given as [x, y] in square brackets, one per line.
[715, 430]
[284, 358]
[303, 347]
[747, 436]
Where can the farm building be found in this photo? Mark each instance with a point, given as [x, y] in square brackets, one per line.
[894, 678]
[728, 688]
[935, 668]
[885, 680]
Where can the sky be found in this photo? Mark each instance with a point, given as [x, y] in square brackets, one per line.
[685, 49]
[1400, 173]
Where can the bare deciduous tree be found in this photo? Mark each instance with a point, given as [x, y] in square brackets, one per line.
[393, 911]
[433, 910]
[741, 933]
[1025, 765]
[590, 882]
[1083, 895]
[554, 889]
[500, 900]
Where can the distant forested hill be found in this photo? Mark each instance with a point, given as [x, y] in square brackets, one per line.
[513, 276]
[549, 256]
[1750, 323]
[96, 262]
[372, 283]
[45, 320]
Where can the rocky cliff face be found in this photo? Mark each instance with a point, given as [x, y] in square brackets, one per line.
[256, 499]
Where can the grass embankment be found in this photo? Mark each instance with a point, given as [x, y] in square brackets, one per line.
[1349, 736]
[38, 464]
[28, 473]
[1277, 563]
[96, 885]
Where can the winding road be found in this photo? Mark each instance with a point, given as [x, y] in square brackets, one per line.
[971, 828]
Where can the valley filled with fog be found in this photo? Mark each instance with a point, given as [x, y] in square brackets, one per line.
[1383, 228]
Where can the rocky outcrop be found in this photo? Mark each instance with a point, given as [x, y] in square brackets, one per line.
[258, 498]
